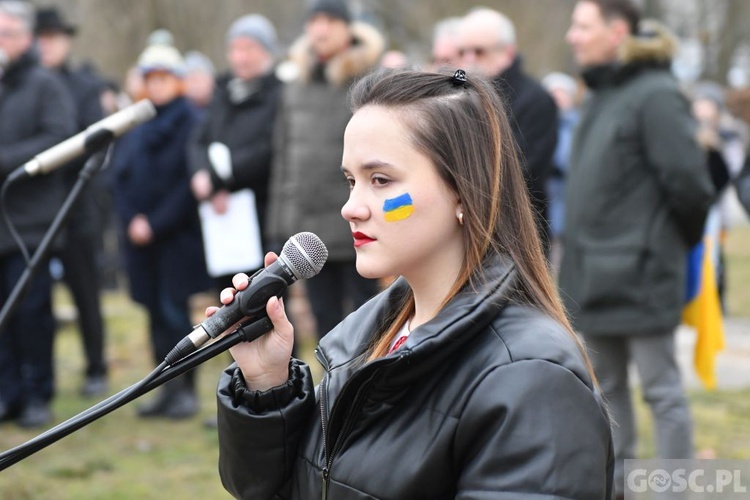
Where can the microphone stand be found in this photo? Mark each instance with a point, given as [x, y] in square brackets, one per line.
[91, 167]
[162, 374]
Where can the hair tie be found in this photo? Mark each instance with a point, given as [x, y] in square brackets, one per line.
[459, 77]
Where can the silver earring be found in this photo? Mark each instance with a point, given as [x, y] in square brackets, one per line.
[461, 218]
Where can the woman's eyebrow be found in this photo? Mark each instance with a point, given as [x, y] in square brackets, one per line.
[370, 165]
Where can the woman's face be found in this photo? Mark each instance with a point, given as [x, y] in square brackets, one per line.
[403, 216]
[162, 87]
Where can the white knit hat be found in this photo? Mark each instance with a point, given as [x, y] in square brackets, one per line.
[161, 58]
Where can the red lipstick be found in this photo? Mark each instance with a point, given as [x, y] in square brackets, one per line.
[361, 239]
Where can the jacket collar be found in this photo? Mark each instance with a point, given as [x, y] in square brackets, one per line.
[15, 71]
[238, 92]
[363, 54]
[651, 48]
[512, 75]
[465, 316]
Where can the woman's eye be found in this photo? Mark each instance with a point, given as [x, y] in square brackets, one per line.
[380, 181]
[350, 182]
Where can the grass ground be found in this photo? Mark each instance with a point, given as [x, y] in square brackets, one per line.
[123, 457]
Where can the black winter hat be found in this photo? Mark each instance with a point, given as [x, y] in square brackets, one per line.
[49, 20]
[334, 8]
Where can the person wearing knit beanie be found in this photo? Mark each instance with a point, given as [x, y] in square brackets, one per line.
[328, 28]
[161, 58]
[255, 27]
[337, 9]
[199, 79]
[156, 224]
[251, 46]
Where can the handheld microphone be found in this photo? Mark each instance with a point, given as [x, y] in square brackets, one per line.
[302, 257]
[92, 139]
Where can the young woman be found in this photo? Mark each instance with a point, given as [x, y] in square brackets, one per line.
[162, 241]
[462, 379]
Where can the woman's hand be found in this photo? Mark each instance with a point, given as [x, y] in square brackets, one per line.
[265, 361]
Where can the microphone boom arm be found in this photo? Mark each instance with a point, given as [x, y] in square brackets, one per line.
[245, 333]
[95, 163]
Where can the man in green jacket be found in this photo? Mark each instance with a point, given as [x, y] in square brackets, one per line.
[638, 194]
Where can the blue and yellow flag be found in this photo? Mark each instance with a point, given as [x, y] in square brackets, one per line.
[398, 208]
[702, 304]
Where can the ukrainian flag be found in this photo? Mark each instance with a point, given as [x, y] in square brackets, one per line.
[702, 305]
[398, 208]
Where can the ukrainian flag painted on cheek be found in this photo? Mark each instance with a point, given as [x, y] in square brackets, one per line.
[398, 208]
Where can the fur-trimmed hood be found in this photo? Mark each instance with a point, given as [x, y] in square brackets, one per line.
[654, 43]
[364, 53]
[652, 47]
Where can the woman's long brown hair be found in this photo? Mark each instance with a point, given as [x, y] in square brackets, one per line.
[463, 129]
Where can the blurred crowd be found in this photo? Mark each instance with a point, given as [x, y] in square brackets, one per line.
[258, 147]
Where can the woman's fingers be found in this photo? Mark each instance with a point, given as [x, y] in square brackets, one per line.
[227, 295]
[240, 281]
[269, 259]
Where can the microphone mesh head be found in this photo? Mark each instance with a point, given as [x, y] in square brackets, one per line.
[305, 253]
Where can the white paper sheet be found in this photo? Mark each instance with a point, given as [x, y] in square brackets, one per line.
[232, 240]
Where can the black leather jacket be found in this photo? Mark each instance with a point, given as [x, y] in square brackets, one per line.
[484, 401]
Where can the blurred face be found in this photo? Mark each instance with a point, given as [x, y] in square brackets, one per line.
[562, 98]
[199, 87]
[134, 85]
[247, 58]
[445, 53]
[162, 87]
[706, 112]
[15, 38]
[593, 38]
[328, 35]
[480, 50]
[403, 216]
[54, 48]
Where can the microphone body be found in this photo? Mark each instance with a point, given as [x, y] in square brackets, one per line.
[251, 301]
[92, 139]
[302, 257]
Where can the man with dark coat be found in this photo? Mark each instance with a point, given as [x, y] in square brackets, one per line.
[240, 121]
[307, 187]
[81, 254]
[36, 112]
[638, 194]
[487, 45]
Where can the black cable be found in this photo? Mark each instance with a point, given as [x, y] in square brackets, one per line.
[11, 179]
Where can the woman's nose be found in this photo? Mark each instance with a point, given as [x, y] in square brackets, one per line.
[355, 208]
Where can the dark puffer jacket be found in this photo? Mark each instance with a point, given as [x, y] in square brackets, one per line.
[484, 401]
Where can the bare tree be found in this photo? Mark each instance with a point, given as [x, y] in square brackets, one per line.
[733, 34]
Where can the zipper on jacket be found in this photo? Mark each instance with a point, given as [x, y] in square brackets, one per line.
[348, 420]
[345, 428]
[324, 419]
[326, 476]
